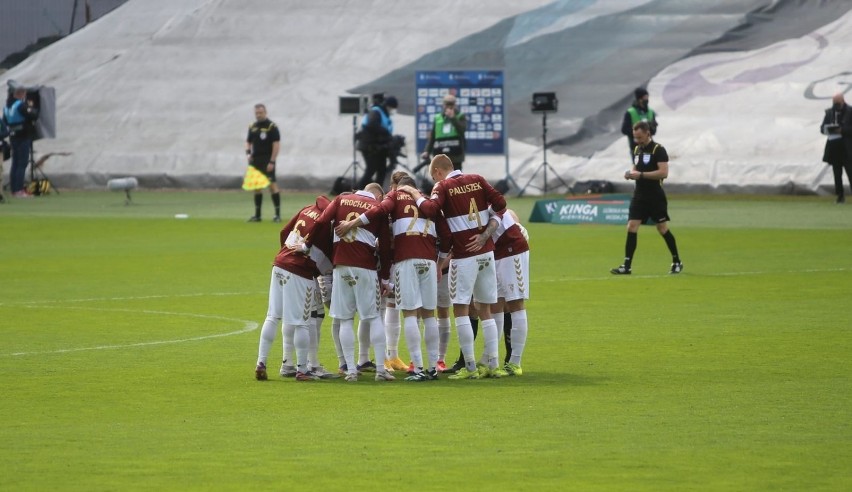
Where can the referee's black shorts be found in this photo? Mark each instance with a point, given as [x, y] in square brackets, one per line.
[655, 209]
[260, 162]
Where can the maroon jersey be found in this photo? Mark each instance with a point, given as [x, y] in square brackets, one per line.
[359, 247]
[414, 236]
[296, 232]
[464, 199]
[508, 238]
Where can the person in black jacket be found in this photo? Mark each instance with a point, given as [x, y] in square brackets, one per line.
[837, 144]
[375, 139]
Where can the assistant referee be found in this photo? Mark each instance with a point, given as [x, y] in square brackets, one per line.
[650, 168]
[262, 144]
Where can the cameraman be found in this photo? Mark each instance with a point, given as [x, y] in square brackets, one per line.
[5, 152]
[375, 140]
[447, 135]
[20, 114]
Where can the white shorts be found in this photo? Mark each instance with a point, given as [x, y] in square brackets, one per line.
[513, 277]
[444, 300]
[298, 295]
[276, 296]
[356, 290]
[415, 284]
[474, 277]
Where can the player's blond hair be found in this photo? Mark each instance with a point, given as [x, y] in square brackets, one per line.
[441, 161]
[375, 189]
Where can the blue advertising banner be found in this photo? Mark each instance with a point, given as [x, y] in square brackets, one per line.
[479, 95]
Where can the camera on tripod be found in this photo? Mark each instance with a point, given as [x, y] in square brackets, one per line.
[396, 146]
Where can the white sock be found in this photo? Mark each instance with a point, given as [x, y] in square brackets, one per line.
[465, 332]
[412, 341]
[364, 341]
[313, 348]
[444, 337]
[267, 338]
[335, 337]
[430, 335]
[289, 349]
[518, 335]
[347, 344]
[392, 330]
[489, 334]
[302, 342]
[377, 336]
[501, 322]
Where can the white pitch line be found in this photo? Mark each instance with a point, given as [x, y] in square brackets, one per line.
[247, 327]
[131, 298]
[608, 278]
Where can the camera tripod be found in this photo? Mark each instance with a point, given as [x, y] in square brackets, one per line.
[354, 165]
[544, 166]
[37, 175]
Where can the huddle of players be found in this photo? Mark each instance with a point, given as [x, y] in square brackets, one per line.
[397, 245]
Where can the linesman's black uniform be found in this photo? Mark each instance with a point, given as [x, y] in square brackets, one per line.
[261, 136]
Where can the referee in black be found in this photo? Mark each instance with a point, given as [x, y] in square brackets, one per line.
[650, 168]
[262, 144]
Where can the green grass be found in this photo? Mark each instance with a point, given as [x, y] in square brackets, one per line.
[734, 375]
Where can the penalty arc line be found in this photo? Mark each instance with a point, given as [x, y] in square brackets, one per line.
[247, 327]
[128, 298]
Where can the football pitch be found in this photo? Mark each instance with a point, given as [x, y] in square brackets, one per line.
[129, 340]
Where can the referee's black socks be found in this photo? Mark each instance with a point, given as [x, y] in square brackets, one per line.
[507, 334]
[630, 249]
[672, 244]
[276, 200]
[258, 200]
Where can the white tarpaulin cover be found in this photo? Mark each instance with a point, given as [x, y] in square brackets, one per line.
[164, 90]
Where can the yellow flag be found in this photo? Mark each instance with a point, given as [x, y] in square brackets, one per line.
[254, 180]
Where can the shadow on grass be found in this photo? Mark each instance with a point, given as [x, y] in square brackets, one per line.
[536, 379]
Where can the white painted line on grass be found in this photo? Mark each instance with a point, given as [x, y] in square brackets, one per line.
[611, 277]
[130, 298]
[247, 327]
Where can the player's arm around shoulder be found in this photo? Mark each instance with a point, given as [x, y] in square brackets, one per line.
[324, 220]
[429, 207]
[287, 229]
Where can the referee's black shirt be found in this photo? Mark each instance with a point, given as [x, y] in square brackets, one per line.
[646, 159]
